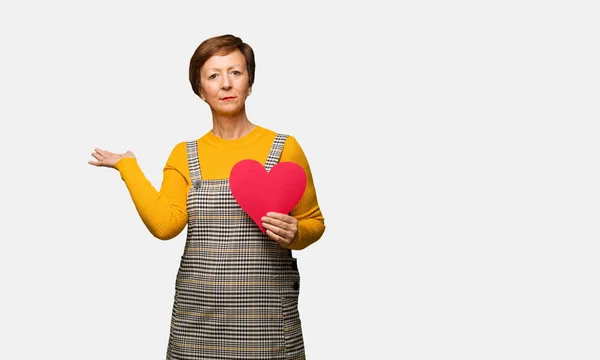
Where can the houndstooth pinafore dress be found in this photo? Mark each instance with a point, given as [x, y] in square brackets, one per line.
[236, 293]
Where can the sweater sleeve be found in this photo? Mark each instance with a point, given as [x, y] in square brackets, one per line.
[163, 212]
[311, 224]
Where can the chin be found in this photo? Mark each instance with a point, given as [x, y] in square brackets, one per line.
[228, 113]
[229, 110]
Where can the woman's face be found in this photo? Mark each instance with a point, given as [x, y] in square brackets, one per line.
[224, 83]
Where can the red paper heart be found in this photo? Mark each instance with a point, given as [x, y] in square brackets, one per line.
[259, 192]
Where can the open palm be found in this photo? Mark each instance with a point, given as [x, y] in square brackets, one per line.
[108, 159]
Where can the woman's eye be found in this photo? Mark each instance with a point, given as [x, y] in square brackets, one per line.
[236, 72]
[212, 76]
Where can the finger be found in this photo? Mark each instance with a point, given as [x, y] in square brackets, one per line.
[280, 240]
[286, 222]
[95, 163]
[104, 153]
[97, 156]
[273, 228]
[278, 231]
[280, 216]
[275, 222]
[289, 220]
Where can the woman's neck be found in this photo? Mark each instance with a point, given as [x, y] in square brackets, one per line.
[231, 128]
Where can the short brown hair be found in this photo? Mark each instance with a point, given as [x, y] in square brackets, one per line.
[219, 45]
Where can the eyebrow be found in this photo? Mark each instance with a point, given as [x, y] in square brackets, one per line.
[231, 67]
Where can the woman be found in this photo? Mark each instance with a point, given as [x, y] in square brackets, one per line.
[237, 287]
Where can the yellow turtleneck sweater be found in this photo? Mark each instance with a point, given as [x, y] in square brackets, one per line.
[164, 212]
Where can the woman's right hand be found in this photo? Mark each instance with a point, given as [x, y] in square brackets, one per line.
[108, 159]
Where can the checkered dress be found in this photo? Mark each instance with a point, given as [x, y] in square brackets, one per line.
[236, 294]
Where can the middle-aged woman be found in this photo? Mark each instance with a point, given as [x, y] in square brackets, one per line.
[236, 293]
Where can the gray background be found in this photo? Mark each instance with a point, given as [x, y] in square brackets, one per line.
[454, 147]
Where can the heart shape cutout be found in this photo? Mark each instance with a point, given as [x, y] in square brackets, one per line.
[259, 192]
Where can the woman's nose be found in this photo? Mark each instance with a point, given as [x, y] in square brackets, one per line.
[226, 82]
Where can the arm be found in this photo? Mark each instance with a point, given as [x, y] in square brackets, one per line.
[163, 212]
[311, 223]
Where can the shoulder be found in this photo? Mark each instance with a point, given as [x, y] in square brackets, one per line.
[292, 151]
[180, 149]
[265, 133]
[290, 140]
[178, 156]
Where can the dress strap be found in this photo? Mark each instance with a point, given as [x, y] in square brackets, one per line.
[275, 152]
[193, 163]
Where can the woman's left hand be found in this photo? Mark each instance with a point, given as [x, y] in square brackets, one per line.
[280, 227]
